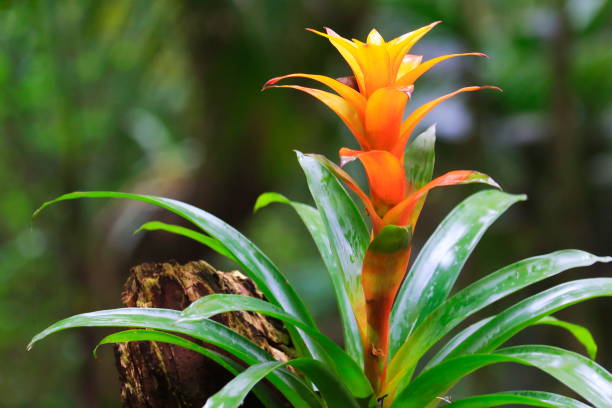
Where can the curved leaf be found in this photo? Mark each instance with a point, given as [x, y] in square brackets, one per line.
[314, 222]
[208, 331]
[230, 365]
[348, 234]
[582, 375]
[437, 266]
[584, 337]
[336, 358]
[455, 342]
[203, 239]
[531, 398]
[254, 263]
[479, 295]
[512, 320]
[581, 333]
[234, 392]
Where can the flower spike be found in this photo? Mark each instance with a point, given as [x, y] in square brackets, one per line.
[372, 103]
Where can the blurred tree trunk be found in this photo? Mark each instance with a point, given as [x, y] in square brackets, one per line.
[565, 210]
[159, 375]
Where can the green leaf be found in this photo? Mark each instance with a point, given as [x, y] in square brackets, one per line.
[332, 391]
[336, 358]
[208, 331]
[454, 342]
[210, 242]
[514, 319]
[347, 231]
[252, 261]
[479, 295]
[531, 398]
[262, 393]
[582, 334]
[584, 337]
[420, 157]
[349, 235]
[314, 222]
[582, 375]
[391, 238]
[439, 263]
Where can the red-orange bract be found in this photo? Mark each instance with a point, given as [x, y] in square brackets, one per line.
[372, 103]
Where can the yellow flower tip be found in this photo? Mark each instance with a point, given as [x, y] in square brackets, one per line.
[374, 38]
[317, 32]
[331, 32]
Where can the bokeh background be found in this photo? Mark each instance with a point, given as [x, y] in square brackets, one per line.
[164, 98]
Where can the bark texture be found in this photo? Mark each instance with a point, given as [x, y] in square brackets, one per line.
[155, 375]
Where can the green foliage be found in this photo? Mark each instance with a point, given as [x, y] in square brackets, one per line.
[348, 239]
[584, 376]
[208, 331]
[439, 263]
[106, 94]
[582, 334]
[428, 313]
[335, 357]
[313, 220]
[531, 398]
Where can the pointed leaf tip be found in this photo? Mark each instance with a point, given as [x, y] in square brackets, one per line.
[478, 177]
[268, 198]
[270, 82]
[495, 88]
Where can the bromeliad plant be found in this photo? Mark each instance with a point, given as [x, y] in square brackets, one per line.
[391, 318]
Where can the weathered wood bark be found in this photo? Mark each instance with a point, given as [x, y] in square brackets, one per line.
[156, 375]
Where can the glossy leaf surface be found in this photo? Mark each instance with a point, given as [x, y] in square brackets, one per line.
[531, 398]
[336, 358]
[230, 365]
[582, 375]
[207, 330]
[348, 234]
[512, 320]
[479, 295]
[234, 392]
[454, 342]
[252, 261]
[314, 223]
[439, 262]
[583, 336]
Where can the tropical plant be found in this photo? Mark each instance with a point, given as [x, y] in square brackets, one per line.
[392, 320]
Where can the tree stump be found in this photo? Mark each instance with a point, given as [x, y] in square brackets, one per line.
[156, 375]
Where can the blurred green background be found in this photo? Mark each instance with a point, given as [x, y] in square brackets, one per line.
[164, 98]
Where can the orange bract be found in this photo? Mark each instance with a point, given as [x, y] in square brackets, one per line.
[372, 105]
[373, 110]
